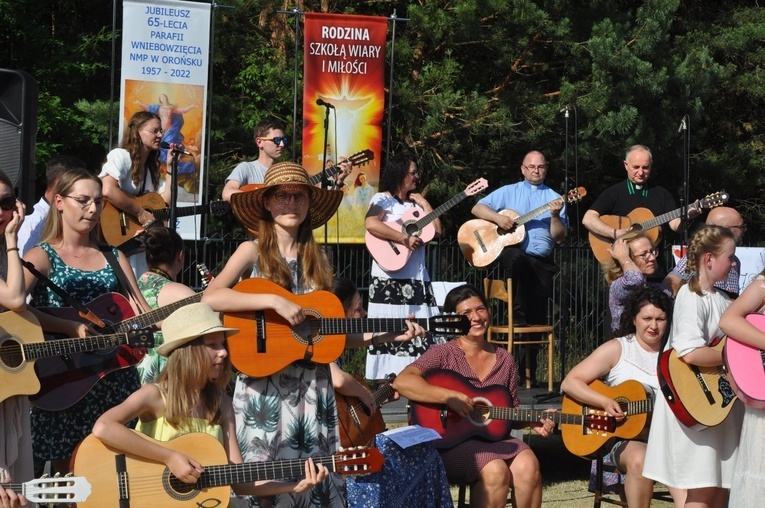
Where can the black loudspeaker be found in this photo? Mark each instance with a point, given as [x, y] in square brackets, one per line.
[18, 131]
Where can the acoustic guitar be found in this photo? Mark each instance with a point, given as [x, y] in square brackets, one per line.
[492, 418]
[118, 227]
[392, 256]
[66, 379]
[57, 490]
[746, 366]
[481, 241]
[700, 397]
[22, 346]
[361, 158]
[266, 343]
[127, 480]
[357, 426]
[642, 219]
[635, 402]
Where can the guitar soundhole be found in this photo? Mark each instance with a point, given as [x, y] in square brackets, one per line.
[308, 328]
[10, 353]
[411, 228]
[177, 489]
[480, 415]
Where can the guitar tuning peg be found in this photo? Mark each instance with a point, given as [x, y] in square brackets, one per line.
[45, 476]
[69, 474]
[57, 475]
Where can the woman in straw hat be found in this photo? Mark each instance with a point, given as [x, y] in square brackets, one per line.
[405, 291]
[290, 414]
[189, 397]
[71, 256]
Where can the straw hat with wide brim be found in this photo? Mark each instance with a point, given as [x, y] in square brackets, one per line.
[248, 206]
[188, 323]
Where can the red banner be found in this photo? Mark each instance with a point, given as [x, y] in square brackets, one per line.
[345, 67]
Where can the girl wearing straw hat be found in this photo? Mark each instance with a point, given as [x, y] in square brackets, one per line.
[189, 397]
[290, 414]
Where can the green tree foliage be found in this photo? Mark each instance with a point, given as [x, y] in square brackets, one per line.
[476, 85]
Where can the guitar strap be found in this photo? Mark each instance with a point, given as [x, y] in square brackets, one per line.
[127, 289]
[84, 312]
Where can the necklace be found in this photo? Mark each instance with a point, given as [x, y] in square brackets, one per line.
[82, 254]
[160, 271]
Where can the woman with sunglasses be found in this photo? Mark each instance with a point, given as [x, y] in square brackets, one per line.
[633, 262]
[71, 257]
[15, 439]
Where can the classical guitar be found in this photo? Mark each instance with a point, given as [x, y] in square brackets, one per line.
[392, 255]
[643, 219]
[66, 379]
[700, 397]
[22, 346]
[357, 426]
[492, 418]
[746, 366]
[361, 158]
[636, 403]
[118, 227]
[266, 343]
[56, 490]
[482, 241]
[126, 480]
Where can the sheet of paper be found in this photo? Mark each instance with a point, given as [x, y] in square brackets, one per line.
[411, 435]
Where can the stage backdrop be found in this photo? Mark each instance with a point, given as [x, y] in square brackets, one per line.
[165, 48]
[345, 67]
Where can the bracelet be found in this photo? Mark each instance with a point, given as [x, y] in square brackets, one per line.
[9, 249]
[628, 261]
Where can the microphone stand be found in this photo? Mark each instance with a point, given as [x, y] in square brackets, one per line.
[685, 198]
[324, 176]
[173, 189]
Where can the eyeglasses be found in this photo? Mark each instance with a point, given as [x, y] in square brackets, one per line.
[278, 140]
[742, 227]
[85, 203]
[8, 203]
[155, 131]
[532, 167]
[284, 198]
[647, 254]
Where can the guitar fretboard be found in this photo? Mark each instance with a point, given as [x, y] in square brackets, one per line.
[147, 319]
[637, 407]
[61, 347]
[337, 326]
[527, 415]
[427, 219]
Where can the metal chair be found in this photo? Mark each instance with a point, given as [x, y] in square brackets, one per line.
[497, 290]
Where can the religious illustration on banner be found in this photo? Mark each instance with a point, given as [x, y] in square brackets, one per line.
[345, 67]
[165, 47]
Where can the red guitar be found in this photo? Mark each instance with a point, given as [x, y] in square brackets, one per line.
[66, 379]
[746, 366]
[489, 420]
[393, 256]
[700, 397]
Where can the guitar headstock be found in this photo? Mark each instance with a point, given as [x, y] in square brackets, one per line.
[59, 489]
[219, 207]
[476, 187]
[714, 200]
[358, 461]
[600, 422]
[141, 338]
[205, 274]
[449, 324]
[575, 195]
[362, 158]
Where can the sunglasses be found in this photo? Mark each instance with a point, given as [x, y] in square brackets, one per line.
[8, 203]
[278, 140]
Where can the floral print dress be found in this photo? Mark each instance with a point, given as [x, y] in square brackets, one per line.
[56, 433]
[150, 284]
[289, 415]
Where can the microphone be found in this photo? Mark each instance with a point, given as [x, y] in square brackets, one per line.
[175, 148]
[320, 102]
[681, 128]
[567, 107]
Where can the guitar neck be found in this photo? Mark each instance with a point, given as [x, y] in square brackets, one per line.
[148, 319]
[427, 219]
[232, 474]
[383, 393]
[530, 415]
[62, 347]
[536, 212]
[184, 211]
[330, 172]
[660, 219]
[344, 326]
[637, 406]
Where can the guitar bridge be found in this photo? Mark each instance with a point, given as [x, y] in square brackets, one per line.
[260, 331]
[480, 241]
[123, 223]
[123, 484]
